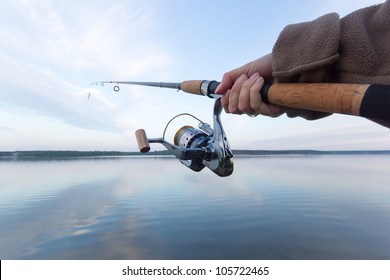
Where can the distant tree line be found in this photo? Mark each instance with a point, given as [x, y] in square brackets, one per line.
[77, 154]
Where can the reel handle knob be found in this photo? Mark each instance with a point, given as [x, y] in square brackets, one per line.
[142, 141]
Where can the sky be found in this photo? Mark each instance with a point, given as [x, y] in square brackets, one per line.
[52, 51]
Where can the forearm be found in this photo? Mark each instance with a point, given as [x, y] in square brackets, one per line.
[364, 47]
[354, 49]
[304, 52]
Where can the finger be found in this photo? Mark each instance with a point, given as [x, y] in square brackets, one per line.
[259, 106]
[227, 81]
[244, 102]
[235, 94]
[225, 101]
[256, 104]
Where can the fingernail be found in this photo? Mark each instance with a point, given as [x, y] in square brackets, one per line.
[243, 76]
[260, 79]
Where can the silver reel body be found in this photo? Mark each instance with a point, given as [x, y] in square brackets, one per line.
[198, 148]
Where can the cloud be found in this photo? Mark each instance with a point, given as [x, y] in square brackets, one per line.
[7, 128]
[52, 52]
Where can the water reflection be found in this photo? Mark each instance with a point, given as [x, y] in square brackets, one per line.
[324, 207]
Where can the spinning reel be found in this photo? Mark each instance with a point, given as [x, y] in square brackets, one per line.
[199, 147]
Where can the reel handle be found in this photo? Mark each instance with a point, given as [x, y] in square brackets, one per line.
[142, 141]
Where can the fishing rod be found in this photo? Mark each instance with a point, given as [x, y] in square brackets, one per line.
[209, 147]
[366, 100]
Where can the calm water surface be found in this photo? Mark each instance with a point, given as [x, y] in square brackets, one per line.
[304, 207]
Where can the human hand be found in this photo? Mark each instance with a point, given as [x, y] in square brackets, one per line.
[241, 89]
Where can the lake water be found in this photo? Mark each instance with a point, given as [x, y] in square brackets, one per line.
[272, 207]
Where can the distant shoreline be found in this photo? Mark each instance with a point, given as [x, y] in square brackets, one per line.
[53, 154]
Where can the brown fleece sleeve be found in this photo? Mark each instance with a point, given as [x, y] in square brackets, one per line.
[304, 47]
[355, 49]
[364, 47]
[305, 52]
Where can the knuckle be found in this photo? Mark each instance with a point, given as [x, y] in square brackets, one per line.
[244, 107]
[256, 106]
[226, 76]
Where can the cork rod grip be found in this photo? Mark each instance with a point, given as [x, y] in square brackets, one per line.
[191, 86]
[330, 98]
[142, 141]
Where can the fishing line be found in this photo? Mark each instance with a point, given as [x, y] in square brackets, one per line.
[179, 115]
